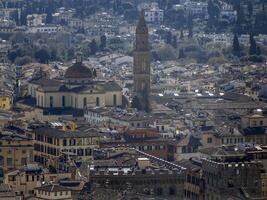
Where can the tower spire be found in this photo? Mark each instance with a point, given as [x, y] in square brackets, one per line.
[141, 27]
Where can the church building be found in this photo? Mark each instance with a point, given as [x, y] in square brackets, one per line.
[78, 90]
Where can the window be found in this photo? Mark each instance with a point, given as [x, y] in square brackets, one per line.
[115, 100]
[97, 101]
[84, 102]
[1, 161]
[51, 101]
[254, 123]
[9, 162]
[23, 161]
[71, 101]
[209, 140]
[63, 101]
[64, 142]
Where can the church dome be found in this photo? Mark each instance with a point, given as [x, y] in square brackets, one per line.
[78, 70]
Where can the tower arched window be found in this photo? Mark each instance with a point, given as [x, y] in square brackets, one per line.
[84, 102]
[97, 101]
[63, 101]
[51, 101]
[115, 100]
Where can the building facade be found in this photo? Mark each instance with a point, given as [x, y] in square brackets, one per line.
[15, 151]
[51, 144]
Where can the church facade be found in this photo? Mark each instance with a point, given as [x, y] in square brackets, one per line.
[78, 90]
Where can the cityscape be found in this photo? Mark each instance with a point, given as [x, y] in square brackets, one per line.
[133, 99]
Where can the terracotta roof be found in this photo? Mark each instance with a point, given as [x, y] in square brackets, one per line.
[111, 86]
[46, 82]
[53, 188]
[53, 132]
[79, 70]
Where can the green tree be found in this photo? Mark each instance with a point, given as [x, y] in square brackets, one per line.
[181, 53]
[213, 12]
[181, 34]
[258, 51]
[168, 37]
[103, 42]
[253, 46]
[42, 55]
[136, 103]
[250, 8]
[94, 73]
[190, 26]
[174, 41]
[93, 47]
[236, 46]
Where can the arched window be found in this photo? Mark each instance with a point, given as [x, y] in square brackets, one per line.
[97, 101]
[51, 101]
[159, 191]
[2, 161]
[42, 101]
[84, 102]
[63, 101]
[172, 191]
[115, 100]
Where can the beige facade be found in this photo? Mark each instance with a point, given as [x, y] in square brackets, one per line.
[210, 140]
[15, 151]
[24, 180]
[94, 97]
[52, 143]
[254, 120]
[53, 192]
[264, 185]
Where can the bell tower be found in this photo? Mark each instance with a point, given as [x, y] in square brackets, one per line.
[141, 68]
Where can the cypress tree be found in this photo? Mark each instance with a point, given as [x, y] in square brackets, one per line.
[253, 46]
[236, 46]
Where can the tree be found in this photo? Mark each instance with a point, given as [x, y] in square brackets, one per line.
[213, 12]
[23, 60]
[94, 73]
[103, 42]
[236, 46]
[166, 52]
[253, 46]
[181, 34]
[250, 8]
[93, 47]
[42, 55]
[181, 53]
[190, 26]
[174, 41]
[258, 51]
[168, 37]
[136, 103]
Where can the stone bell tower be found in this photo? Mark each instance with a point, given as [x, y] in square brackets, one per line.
[141, 69]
